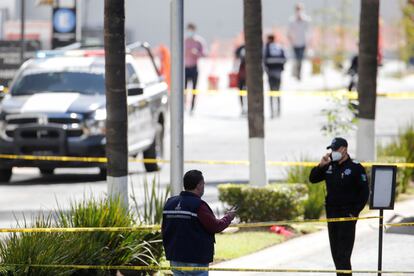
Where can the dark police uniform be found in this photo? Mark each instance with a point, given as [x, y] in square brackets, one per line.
[347, 194]
[184, 238]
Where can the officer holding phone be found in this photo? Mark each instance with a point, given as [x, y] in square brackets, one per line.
[347, 193]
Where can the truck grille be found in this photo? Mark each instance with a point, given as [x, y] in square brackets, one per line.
[19, 121]
[71, 125]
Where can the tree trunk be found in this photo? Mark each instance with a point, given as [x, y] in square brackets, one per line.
[116, 100]
[254, 72]
[367, 78]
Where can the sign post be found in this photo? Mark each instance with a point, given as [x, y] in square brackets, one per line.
[382, 197]
[64, 26]
[177, 96]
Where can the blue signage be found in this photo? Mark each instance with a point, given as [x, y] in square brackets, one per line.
[64, 20]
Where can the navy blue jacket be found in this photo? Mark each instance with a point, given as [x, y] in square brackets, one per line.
[274, 57]
[346, 184]
[183, 236]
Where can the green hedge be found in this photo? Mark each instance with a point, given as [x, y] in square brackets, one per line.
[315, 204]
[269, 203]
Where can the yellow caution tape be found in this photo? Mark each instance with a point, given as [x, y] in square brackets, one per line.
[55, 158]
[401, 224]
[399, 165]
[207, 162]
[322, 93]
[158, 227]
[80, 229]
[186, 268]
[284, 222]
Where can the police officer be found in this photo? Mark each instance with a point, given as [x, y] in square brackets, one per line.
[347, 193]
[189, 225]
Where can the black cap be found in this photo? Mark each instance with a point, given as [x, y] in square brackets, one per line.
[337, 142]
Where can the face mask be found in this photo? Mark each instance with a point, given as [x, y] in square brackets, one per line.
[336, 156]
[190, 33]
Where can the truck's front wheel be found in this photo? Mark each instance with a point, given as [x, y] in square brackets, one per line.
[5, 175]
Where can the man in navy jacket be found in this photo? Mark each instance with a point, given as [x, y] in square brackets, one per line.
[189, 225]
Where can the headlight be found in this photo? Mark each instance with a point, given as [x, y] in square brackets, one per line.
[100, 114]
[95, 125]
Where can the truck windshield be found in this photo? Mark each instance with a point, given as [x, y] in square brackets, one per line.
[66, 81]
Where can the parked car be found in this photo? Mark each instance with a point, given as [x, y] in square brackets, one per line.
[56, 107]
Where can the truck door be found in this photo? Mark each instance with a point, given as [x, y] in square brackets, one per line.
[140, 133]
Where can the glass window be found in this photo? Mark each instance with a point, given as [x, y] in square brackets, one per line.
[66, 81]
[147, 73]
[131, 75]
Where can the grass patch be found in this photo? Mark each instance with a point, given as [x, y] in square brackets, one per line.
[306, 228]
[234, 245]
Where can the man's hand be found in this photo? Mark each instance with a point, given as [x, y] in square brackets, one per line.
[232, 212]
[325, 160]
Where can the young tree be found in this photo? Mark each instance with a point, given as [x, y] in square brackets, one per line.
[254, 72]
[116, 100]
[408, 25]
[367, 78]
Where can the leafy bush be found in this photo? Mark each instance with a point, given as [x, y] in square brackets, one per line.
[269, 203]
[154, 199]
[401, 148]
[314, 204]
[403, 174]
[98, 248]
[34, 248]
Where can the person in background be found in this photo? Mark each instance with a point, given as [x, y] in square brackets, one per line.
[274, 60]
[299, 37]
[194, 49]
[240, 55]
[353, 74]
[165, 64]
[189, 225]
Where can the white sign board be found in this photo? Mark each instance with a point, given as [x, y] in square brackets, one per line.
[383, 187]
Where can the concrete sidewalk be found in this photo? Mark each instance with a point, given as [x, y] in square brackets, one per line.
[312, 251]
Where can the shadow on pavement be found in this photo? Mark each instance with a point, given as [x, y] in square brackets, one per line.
[66, 178]
[61, 178]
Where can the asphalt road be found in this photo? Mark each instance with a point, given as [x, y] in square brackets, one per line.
[217, 131]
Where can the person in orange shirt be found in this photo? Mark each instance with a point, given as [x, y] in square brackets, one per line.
[165, 64]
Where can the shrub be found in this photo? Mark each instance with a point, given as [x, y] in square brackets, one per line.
[154, 199]
[314, 204]
[403, 174]
[402, 147]
[98, 248]
[34, 248]
[269, 203]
